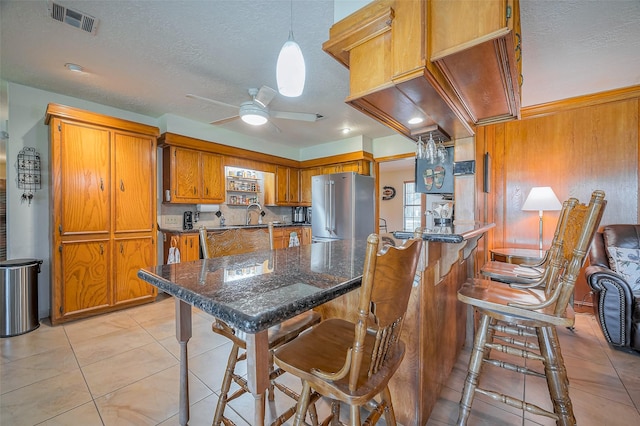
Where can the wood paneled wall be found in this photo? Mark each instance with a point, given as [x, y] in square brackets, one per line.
[575, 151]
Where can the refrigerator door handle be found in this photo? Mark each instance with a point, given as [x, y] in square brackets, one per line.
[332, 207]
[326, 207]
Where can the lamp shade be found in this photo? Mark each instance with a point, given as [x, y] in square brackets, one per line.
[290, 69]
[542, 198]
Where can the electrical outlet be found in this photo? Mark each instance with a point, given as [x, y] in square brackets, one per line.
[171, 220]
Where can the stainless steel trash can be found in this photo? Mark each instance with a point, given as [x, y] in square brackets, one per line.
[19, 296]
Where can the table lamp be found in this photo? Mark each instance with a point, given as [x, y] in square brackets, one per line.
[541, 198]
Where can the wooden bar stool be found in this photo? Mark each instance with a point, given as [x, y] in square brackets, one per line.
[531, 275]
[352, 363]
[513, 319]
[277, 335]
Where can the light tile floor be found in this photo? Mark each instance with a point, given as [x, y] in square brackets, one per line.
[122, 369]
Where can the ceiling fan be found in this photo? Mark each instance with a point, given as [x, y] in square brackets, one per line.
[256, 111]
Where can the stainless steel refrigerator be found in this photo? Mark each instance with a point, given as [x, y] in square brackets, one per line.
[343, 206]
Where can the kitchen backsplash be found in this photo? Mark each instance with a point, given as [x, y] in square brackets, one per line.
[170, 215]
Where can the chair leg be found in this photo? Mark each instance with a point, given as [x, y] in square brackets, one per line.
[389, 414]
[226, 385]
[354, 415]
[303, 403]
[271, 391]
[335, 413]
[475, 365]
[556, 374]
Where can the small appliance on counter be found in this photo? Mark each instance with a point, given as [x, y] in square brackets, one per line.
[299, 215]
[442, 213]
[187, 221]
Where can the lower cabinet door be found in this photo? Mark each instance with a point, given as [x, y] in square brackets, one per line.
[130, 255]
[85, 278]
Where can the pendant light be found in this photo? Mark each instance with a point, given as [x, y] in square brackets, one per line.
[290, 69]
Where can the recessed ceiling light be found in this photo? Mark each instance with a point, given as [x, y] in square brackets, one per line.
[415, 120]
[346, 130]
[73, 67]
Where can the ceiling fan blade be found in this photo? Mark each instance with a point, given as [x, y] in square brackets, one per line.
[265, 95]
[276, 128]
[201, 98]
[224, 120]
[301, 116]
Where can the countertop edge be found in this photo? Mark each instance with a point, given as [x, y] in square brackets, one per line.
[453, 237]
[228, 227]
[238, 319]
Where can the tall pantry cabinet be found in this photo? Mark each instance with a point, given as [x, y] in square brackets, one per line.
[103, 197]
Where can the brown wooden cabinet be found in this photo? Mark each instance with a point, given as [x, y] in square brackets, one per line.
[103, 186]
[188, 244]
[306, 235]
[192, 176]
[361, 167]
[130, 255]
[384, 45]
[281, 235]
[305, 184]
[481, 58]
[287, 186]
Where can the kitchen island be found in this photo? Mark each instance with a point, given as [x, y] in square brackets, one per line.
[256, 290]
[435, 327]
[253, 292]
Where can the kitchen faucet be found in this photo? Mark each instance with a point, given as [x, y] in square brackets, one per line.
[248, 218]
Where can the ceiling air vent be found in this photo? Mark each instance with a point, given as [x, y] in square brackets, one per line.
[72, 17]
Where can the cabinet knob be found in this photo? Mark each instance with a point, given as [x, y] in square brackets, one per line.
[121, 185]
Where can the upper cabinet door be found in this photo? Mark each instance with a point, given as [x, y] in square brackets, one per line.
[186, 172]
[212, 178]
[135, 175]
[83, 181]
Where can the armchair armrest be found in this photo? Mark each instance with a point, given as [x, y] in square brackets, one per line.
[614, 303]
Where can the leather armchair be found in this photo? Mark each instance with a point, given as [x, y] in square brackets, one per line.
[617, 307]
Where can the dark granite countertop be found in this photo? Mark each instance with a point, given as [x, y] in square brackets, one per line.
[256, 290]
[449, 234]
[223, 228]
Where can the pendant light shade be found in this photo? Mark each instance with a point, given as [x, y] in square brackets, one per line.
[290, 69]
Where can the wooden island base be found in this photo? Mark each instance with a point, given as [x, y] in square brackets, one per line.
[434, 329]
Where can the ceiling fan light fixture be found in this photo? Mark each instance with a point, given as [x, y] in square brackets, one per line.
[253, 114]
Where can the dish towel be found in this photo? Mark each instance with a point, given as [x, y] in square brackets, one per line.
[293, 240]
[174, 255]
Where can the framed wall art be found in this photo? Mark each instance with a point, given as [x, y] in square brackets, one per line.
[435, 178]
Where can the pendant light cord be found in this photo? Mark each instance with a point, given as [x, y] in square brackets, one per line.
[291, 21]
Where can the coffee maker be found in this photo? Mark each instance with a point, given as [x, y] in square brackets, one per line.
[298, 214]
[187, 220]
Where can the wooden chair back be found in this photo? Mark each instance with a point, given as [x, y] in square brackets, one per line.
[579, 224]
[386, 286]
[235, 241]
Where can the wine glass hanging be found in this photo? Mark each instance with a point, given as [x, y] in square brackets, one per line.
[430, 151]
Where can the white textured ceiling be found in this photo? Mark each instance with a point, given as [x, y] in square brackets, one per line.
[146, 55]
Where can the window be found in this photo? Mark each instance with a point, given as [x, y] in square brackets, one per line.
[412, 209]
